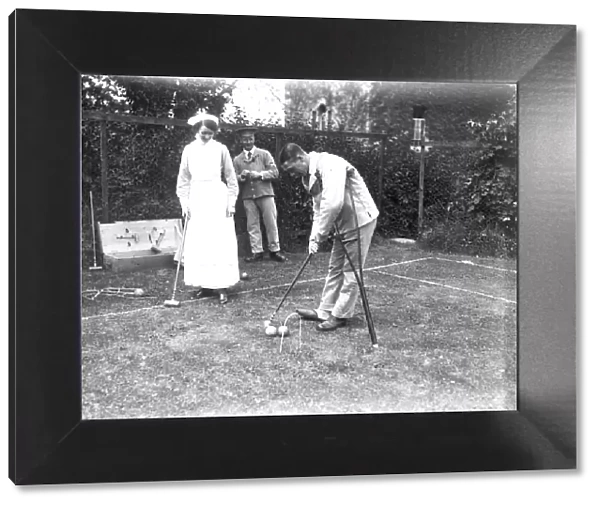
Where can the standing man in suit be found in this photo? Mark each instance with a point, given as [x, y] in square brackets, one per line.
[256, 169]
[342, 202]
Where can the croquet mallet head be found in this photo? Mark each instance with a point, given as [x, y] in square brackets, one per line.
[172, 303]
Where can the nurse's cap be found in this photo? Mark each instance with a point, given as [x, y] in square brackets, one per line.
[201, 117]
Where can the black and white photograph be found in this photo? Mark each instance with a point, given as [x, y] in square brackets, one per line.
[270, 247]
[246, 247]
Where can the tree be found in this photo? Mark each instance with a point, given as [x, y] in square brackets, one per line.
[257, 102]
[348, 101]
[492, 189]
[102, 93]
[479, 194]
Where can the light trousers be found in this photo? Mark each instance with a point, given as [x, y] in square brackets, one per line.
[264, 206]
[341, 291]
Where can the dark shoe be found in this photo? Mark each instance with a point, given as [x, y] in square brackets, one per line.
[309, 314]
[256, 257]
[223, 298]
[332, 323]
[277, 256]
[202, 293]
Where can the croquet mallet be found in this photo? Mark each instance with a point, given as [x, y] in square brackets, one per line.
[155, 248]
[173, 302]
[302, 267]
[95, 267]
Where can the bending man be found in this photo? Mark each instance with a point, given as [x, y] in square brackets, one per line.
[338, 190]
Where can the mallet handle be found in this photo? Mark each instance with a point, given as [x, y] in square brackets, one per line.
[180, 255]
[93, 226]
[304, 264]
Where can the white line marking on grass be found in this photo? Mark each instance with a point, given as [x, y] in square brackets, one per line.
[450, 287]
[468, 262]
[244, 292]
[272, 287]
[398, 263]
[131, 311]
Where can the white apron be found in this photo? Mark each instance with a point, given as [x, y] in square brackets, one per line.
[210, 250]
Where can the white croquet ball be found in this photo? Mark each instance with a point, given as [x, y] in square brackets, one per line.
[283, 330]
[244, 276]
[271, 330]
[138, 292]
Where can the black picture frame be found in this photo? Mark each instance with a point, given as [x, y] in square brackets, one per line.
[49, 443]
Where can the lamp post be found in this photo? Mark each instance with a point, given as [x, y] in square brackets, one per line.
[420, 146]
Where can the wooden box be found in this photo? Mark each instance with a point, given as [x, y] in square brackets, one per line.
[135, 245]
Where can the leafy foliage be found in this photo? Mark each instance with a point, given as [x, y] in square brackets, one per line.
[347, 100]
[469, 193]
[481, 213]
[255, 102]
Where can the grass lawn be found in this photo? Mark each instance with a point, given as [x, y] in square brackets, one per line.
[446, 327]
